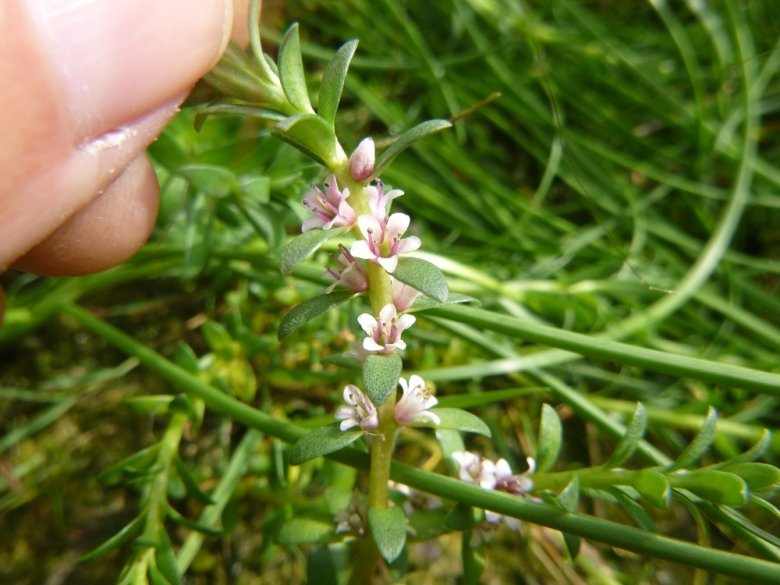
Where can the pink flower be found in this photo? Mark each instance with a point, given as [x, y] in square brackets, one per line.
[384, 334]
[383, 243]
[330, 208]
[361, 162]
[350, 273]
[403, 295]
[358, 410]
[494, 477]
[379, 201]
[415, 402]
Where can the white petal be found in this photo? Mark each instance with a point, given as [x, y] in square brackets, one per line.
[348, 424]
[434, 418]
[387, 313]
[370, 345]
[415, 380]
[389, 264]
[397, 224]
[503, 471]
[404, 322]
[368, 223]
[404, 385]
[409, 244]
[311, 223]
[400, 344]
[360, 249]
[367, 323]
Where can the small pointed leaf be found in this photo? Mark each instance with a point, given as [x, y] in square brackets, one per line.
[457, 419]
[192, 487]
[405, 140]
[700, 444]
[635, 510]
[174, 515]
[312, 136]
[380, 376]
[127, 533]
[718, 487]
[203, 112]
[628, 444]
[570, 496]
[211, 180]
[654, 487]
[322, 441]
[303, 530]
[424, 302]
[333, 81]
[291, 73]
[550, 438]
[423, 276]
[758, 476]
[309, 309]
[166, 559]
[303, 246]
[388, 528]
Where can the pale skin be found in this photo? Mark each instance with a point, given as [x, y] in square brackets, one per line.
[84, 88]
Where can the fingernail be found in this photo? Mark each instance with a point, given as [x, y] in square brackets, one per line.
[119, 59]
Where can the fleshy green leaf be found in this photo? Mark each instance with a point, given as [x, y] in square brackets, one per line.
[309, 309]
[333, 81]
[174, 515]
[654, 487]
[149, 405]
[218, 339]
[303, 246]
[628, 444]
[636, 511]
[758, 476]
[570, 495]
[424, 302]
[203, 112]
[717, 487]
[322, 441]
[388, 528]
[184, 356]
[166, 559]
[192, 487]
[568, 500]
[143, 459]
[423, 276]
[405, 140]
[700, 444]
[756, 451]
[125, 535]
[291, 73]
[312, 136]
[212, 180]
[303, 530]
[550, 437]
[457, 419]
[380, 376]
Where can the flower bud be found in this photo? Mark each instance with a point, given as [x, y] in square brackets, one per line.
[361, 163]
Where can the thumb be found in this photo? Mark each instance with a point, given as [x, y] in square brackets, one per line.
[86, 87]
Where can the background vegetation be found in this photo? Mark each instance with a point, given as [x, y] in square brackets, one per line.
[623, 186]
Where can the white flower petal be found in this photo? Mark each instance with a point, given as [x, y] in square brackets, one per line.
[397, 224]
[389, 264]
[409, 244]
[360, 249]
[367, 323]
[370, 345]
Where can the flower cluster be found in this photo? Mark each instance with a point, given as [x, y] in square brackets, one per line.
[413, 407]
[495, 476]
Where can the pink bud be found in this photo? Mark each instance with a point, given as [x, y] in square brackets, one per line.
[361, 163]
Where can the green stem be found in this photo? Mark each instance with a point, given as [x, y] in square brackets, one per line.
[158, 490]
[623, 537]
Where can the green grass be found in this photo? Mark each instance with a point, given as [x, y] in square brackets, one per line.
[615, 212]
